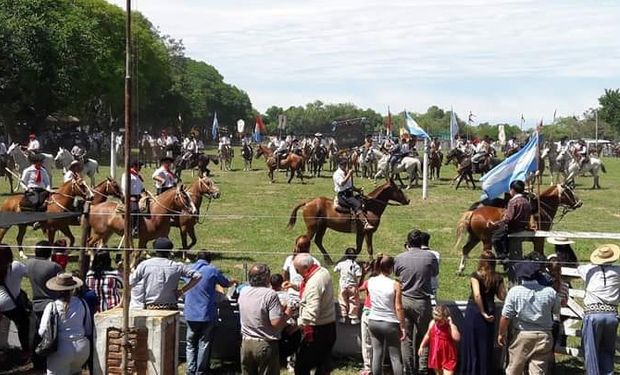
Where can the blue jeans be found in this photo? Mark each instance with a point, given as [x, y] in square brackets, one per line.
[198, 347]
[599, 342]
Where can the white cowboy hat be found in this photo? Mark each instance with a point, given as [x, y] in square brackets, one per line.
[559, 241]
[63, 282]
[608, 253]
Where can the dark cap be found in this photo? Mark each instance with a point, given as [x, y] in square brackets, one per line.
[166, 159]
[527, 269]
[162, 243]
[36, 158]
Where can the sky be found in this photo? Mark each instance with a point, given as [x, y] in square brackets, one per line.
[496, 58]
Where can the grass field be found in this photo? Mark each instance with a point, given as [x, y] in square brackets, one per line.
[248, 223]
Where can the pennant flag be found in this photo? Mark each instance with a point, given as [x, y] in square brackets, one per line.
[554, 113]
[259, 129]
[414, 128]
[454, 127]
[501, 135]
[522, 121]
[240, 126]
[470, 119]
[516, 167]
[388, 124]
[215, 129]
[180, 118]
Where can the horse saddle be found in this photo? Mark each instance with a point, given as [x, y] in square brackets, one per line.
[144, 204]
[340, 208]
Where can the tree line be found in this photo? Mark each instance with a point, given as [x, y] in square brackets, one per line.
[67, 57]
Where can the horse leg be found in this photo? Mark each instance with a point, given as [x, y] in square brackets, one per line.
[459, 180]
[318, 240]
[192, 235]
[472, 241]
[67, 232]
[369, 248]
[402, 184]
[300, 174]
[291, 175]
[20, 240]
[473, 184]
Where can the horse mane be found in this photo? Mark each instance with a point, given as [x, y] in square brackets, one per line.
[380, 189]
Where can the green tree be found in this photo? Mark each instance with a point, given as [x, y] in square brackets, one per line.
[610, 108]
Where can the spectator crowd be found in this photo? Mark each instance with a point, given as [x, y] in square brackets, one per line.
[289, 318]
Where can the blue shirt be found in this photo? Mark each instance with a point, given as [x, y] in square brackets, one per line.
[200, 304]
[532, 306]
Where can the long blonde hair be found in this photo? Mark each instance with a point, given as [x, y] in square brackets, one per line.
[486, 269]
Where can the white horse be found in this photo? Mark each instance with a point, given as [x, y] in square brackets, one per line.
[22, 162]
[574, 168]
[408, 164]
[64, 159]
[369, 162]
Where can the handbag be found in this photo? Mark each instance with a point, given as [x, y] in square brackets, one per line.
[21, 302]
[49, 339]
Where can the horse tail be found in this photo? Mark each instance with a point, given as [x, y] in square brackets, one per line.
[293, 219]
[462, 226]
[603, 168]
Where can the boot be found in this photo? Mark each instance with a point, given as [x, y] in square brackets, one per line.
[364, 221]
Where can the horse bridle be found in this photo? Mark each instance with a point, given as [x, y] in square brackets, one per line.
[75, 184]
[565, 208]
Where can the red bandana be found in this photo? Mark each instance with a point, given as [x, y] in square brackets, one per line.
[311, 271]
[37, 176]
[167, 169]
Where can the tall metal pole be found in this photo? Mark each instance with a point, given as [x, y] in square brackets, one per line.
[596, 131]
[126, 182]
[425, 171]
[113, 155]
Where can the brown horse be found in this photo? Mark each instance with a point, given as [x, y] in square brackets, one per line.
[475, 222]
[320, 214]
[202, 187]
[59, 201]
[106, 189]
[293, 162]
[107, 218]
[434, 164]
[464, 168]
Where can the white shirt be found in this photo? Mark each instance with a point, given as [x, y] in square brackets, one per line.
[69, 175]
[339, 183]
[29, 178]
[382, 299]
[71, 323]
[191, 146]
[136, 185]
[350, 273]
[169, 178]
[294, 277]
[76, 150]
[34, 145]
[599, 288]
[12, 282]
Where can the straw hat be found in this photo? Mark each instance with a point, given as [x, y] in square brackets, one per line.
[560, 241]
[63, 282]
[608, 253]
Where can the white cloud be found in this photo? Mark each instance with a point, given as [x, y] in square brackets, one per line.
[374, 52]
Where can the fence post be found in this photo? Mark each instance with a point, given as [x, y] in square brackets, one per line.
[113, 155]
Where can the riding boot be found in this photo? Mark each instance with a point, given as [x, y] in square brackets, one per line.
[362, 218]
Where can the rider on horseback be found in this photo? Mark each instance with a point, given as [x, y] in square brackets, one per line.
[581, 153]
[516, 218]
[343, 186]
[481, 150]
[191, 148]
[282, 150]
[36, 181]
[33, 145]
[163, 176]
[136, 187]
[73, 173]
[398, 152]
[78, 152]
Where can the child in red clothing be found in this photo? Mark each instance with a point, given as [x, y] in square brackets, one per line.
[443, 336]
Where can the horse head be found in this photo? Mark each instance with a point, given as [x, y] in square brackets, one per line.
[568, 198]
[395, 193]
[260, 151]
[207, 187]
[14, 146]
[112, 188]
[455, 153]
[77, 188]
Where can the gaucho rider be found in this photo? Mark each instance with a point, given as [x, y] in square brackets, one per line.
[398, 152]
[136, 187]
[36, 180]
[282, 150]
[78, 152]
[343, 186]
[163, 176]
[516, 219]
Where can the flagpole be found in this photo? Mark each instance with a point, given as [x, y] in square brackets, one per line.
[539, 177]
[425, 171]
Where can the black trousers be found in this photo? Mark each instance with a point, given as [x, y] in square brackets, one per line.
[163, 189]
[348, 200]
[35, 198]
[317, 353]
[499, 239]
[22, 322]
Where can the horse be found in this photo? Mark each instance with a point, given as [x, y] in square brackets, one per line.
[463, 167]
[107, 218]
[106, 189]
[475, 221]
[435, 160]
[202, 187]
[408, 164]
[226, 154]
[7, 165]
[22, 162]
[320, 214]
[64, 158]
[247, 154]
[59, 201]
[292, 162]
[369, 162]
[575, 168]
[319, 154]
[332, 155]
[198, 161]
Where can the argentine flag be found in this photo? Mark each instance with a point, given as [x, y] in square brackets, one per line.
[516, 167]
[414, 128]
[215, 128]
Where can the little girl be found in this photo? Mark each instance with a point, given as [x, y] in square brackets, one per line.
[443, 336]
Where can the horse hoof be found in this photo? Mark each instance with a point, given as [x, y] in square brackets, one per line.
[22, 255]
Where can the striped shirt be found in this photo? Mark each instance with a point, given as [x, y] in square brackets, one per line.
[108, 288]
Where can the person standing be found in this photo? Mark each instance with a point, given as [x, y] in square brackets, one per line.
[343, 186]
[442, 338]
[386, 321]
[317, 317]
[40, 269]
[160, 278]
[163, 176]
[530, 308]
[105, 281]
[426, 239]
[74, 326]
[262, 320]
[415, 268]
[600, 323]
[136, 187]
[478, 335]
[349, 298]
[11, 274]
[201, 314]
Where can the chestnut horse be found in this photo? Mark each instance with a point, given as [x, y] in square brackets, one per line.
[475, 222]
[464, 167]
[107, 218]
[59, 201]
[293, 162]
[320, 214]
[202, 187]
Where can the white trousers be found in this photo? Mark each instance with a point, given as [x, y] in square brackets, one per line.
[69, 358]
[366, 345]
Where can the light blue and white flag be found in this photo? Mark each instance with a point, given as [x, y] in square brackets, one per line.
[454, 127]
[216, 127]
[516, 167]
[414, 128]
